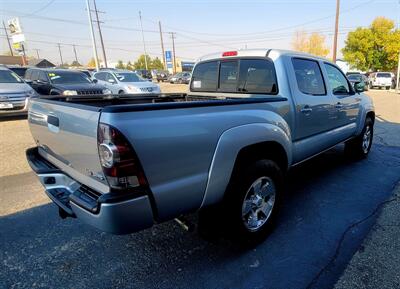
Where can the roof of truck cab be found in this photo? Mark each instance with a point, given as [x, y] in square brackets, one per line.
[272, 53]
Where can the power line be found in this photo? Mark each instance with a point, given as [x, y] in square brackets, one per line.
[40, 9]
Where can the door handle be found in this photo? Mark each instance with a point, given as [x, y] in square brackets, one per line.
[306, 109]
[339, 105]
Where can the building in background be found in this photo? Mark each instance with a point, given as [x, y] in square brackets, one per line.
[41, 63]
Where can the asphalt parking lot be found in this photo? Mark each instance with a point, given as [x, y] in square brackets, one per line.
[316, 238]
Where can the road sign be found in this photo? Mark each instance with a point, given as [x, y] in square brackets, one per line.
[14, 26]
[168, 56]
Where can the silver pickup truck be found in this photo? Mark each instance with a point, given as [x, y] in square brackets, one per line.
[123, 163]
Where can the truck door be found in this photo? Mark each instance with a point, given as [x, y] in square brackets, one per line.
[346, 102]
[314, 108]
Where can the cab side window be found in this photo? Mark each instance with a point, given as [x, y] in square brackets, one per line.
[337, 80]
[308, 76]
[42, 76]
[109, 77]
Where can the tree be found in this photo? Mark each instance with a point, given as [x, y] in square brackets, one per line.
[374, 48]
[75, 63]
[91, 63]
[130, 66]
[157, 64]
[120, 65]
[313, 43]
[140, 62]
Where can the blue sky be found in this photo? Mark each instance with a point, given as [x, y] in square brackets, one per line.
[201, 26]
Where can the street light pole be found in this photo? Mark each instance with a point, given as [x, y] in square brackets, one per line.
[100, 34]
[162, 46]
[398, 63]
[335, 37]
[144, 44]
[173, 49]
[59, 50]
[96, 60]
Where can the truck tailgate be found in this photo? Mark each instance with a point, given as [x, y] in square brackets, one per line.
[67, 137]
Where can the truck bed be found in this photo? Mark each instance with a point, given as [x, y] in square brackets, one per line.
[126, 102]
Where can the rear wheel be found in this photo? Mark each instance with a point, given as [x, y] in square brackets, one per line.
[360, 146]
[251, 204]
[387, 87]
[370, 85]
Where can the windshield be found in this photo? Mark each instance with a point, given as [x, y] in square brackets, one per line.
[357, 77]
[58, 77]
[128, 77]
[7, 76]
[385, 75]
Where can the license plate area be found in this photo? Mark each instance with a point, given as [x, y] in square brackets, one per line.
[6, 105]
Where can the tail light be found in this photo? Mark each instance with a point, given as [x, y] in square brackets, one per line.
[118, 160]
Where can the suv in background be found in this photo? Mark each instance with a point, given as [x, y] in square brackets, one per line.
[14, 93]
[380, 79]
[63, 82]
[162, 75]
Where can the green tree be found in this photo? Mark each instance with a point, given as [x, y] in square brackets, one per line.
[157, 64]
[120, 65]
[374, 48]
[141, 64]
[130, 66]
[313, 43]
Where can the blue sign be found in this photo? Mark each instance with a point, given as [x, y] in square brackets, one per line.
[168, 56]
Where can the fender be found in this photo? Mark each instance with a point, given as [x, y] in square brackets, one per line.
[228, 147]
[366, 106]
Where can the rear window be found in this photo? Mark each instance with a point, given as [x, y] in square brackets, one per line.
[205, 77]
[238, 76]
[385, 75]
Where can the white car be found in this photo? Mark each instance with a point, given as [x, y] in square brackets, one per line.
[380, 79]
[123, 81]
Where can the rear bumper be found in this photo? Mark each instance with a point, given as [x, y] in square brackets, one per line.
[114, 213]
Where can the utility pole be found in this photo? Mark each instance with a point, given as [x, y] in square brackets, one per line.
[8, 39]
[144, 44]
[76, 56]
[96, 60]
[37, 53]
[59, 50]
[336, 30]
[162, 46]
[100, 34]
[173, 49]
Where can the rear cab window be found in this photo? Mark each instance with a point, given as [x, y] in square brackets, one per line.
[242, 75]
[309, 76]
[384, 75]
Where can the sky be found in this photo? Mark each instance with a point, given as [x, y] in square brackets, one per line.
[201, 27]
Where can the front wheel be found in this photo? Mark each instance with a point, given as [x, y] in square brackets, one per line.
[251, 203]
[360, 146]
[387, 87]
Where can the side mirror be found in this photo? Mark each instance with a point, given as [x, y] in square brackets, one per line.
[95, 80]
[28, 81]
[359, 87]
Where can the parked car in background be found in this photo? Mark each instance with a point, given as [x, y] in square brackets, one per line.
[143, 73]
[162, 75]
[125, 81]
[358, 78]
[223, 149]
[180, 77]
[63, 82]
[14, 93]
[20, 70]
[380, 80]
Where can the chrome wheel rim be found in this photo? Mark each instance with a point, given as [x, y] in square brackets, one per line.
[258, 203]
[366, 139]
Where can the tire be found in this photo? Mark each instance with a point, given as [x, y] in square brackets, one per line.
[370, 85]
[387, 87]
[359, 147]
[240, 204]
[121, 92]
